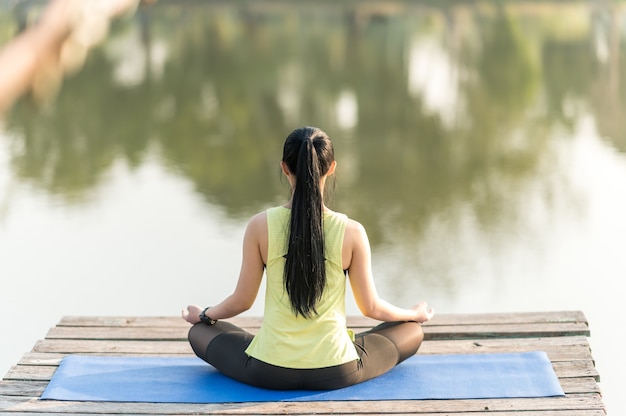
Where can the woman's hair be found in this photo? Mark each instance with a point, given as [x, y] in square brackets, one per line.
[308, 154]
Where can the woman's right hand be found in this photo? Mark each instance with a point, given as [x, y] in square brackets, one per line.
[422, 312]
[191, 314]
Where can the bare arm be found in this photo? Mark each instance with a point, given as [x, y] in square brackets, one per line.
[250, 276]
[358, 256]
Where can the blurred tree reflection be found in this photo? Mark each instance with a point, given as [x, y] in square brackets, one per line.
[608, 92]
[69, 147]
[238, 78]
[434, 169]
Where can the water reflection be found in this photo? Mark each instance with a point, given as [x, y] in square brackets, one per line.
[442, 116]
[215, 88]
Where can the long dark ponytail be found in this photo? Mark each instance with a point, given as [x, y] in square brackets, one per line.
[308, 153]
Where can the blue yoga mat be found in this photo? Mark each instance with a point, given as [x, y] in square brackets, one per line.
[190, 380]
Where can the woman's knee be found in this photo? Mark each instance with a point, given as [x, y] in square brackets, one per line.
[406, 336]
[419, 334]
[200, 336]
[412, 343]
[415, 334]
[197, 340]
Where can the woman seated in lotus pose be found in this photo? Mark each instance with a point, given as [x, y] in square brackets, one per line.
[306, 251]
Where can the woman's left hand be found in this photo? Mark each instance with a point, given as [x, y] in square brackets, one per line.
[191, 314]
[424, 313]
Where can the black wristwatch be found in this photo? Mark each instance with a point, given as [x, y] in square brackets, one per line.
[204, 318]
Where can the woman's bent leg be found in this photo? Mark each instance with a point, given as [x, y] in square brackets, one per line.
[201, 335]
[222, 345]
[406, 336]
[386, 345]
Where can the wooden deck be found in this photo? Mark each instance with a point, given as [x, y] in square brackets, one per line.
[563, 335]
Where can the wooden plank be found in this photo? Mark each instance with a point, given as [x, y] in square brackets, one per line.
[78, 346]
[558, 349]
[390, 413]
[29, 373]
[353, 321]
[565, 369]
[588, 402]
[35, 358]
[509, 318]
[490, 413]
[579, 385]
[160, 333]
[517, 330]
[431, 333]
[556, 353]
[41, 359]
[509, 413]
[147, 321]
[22, 388]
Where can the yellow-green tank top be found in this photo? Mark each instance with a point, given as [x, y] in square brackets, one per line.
[291, 341]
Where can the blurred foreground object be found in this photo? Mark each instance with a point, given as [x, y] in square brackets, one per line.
[37, 59]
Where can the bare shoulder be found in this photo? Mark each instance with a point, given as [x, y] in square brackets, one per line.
[355, 234]
[260, 218]
[258, 223]
[355, 229]
[256, 235]
[355, 245]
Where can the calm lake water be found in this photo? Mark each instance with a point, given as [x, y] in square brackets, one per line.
[483, 147]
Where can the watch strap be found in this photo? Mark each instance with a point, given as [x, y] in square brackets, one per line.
[206, 319]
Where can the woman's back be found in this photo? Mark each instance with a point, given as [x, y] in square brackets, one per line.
[289, 340]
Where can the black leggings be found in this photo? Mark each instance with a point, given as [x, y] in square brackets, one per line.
[223, 346]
